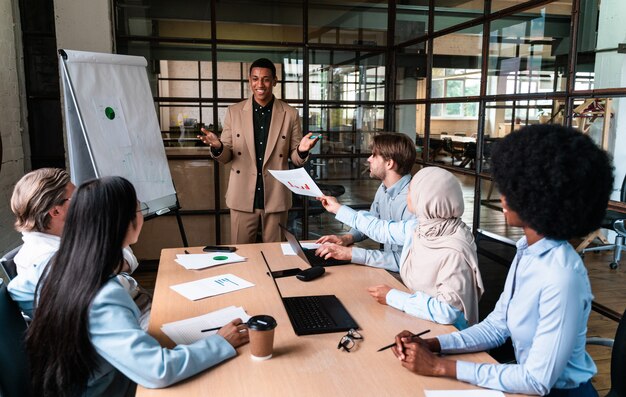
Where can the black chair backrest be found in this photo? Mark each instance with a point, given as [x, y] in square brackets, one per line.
[618, 361]
[14, 370]
[8, 264]
[447, 145]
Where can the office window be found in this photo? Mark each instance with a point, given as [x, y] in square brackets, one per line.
[411, 72]
[351, 22]
[264, 20]
[528, 51]
[411, 20]
[151, 18]
[346, 76]
[346, 70]
[453, 12]
[450, 83]
[456, 72]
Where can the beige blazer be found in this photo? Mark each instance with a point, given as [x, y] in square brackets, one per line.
[282, 142]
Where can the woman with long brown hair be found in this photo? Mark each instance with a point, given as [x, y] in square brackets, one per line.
[85, 338]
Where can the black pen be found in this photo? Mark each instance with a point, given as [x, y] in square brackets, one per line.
[414, 336]
[211, 329]
[216, 328]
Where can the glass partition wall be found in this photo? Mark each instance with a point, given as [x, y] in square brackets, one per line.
[456, 78]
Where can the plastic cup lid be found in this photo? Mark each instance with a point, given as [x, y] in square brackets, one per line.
[262, 323]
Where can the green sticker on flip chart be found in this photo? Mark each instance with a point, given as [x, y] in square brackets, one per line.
[220, 258]
[109, 112]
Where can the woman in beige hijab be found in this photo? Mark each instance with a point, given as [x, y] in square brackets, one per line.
[439, 260]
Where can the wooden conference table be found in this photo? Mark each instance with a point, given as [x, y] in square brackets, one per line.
[302, 365]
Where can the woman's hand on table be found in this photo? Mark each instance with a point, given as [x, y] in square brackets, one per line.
[235, 333]
[416, 355]
[379, 292]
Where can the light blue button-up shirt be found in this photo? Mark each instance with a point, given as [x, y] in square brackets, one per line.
[128, 353]
[400, 233]
[546, 319]
[389, 204]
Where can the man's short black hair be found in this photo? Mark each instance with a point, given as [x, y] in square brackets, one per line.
[265, 64]
[556, 179]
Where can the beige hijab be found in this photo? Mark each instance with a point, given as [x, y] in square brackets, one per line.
[442, 258]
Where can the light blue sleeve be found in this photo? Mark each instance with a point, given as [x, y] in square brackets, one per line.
[560, 310]
[426, 307]
[383, 231]
[381, 259]
[489, 333]
[117, 337]
[23, 287]
[358, 235]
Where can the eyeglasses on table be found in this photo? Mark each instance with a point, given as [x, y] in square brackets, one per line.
[348, 341]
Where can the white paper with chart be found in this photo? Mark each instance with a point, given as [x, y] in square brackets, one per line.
[298, 181]
[211, 286]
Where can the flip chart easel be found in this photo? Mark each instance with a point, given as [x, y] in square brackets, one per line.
[112, 128]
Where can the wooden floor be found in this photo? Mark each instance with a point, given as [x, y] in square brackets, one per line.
[607, 285]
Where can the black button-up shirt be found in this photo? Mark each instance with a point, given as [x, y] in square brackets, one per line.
[261, 118]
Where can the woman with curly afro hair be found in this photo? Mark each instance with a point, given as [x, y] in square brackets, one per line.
[555, 184]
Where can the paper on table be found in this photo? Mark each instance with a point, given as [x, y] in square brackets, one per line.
[190, 330]
[201, 261]
[287, 250]
[463, 393]
[211, 286]
[298, 181]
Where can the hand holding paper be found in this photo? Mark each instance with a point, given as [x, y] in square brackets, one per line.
[330, 204]
[298, 181]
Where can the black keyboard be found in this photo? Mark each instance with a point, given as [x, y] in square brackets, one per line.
[317, 314]
[315, 260]
[308, 313]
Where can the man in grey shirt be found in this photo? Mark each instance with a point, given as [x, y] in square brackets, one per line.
[393, 156]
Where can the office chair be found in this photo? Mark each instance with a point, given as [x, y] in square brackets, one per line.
[7, 264]
[614, 220]
[618, 358]
[469, 155]
[448, 147]
[14, 370]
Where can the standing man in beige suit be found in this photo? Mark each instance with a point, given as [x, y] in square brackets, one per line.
[259, 134]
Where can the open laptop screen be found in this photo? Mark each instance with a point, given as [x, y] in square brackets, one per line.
[294, 244]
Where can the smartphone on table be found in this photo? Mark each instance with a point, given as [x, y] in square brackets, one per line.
[219, 248]
[286, 272]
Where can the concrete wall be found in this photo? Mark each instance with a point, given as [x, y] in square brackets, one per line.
[11, 122]
[80, 25]
[84, 25]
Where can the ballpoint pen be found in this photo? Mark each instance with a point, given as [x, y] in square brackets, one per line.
[216, 328]
[412, 337]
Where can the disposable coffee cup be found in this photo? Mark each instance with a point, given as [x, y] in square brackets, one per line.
[261, 330]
